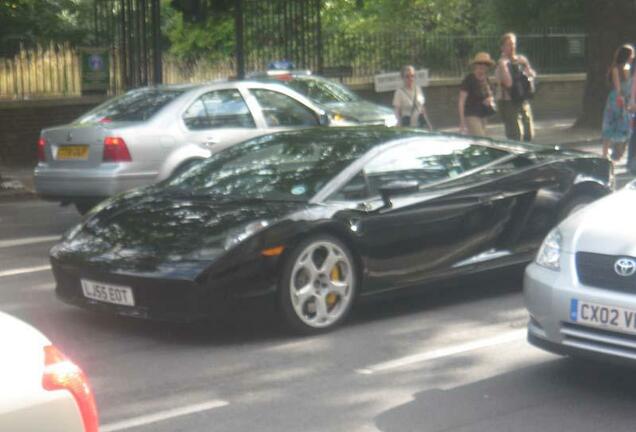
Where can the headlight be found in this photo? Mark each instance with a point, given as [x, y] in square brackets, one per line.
[549, 255]
[237, 236]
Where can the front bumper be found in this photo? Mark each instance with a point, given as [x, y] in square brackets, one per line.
[548, 296]
[163, 297]
[59, 184]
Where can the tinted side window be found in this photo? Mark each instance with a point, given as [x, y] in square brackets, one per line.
[136, 105]
[281, 110]
[427, 162]
[354, 190]
[323, 91]
[219, 109]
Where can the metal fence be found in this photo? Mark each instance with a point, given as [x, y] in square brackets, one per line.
[54, 71]
[448, 56]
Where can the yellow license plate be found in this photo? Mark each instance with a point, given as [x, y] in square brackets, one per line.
[75, 152]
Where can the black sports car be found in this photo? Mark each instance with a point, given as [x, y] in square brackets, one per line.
[319, 217]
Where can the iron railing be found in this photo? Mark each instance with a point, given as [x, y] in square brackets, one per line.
[54, 70]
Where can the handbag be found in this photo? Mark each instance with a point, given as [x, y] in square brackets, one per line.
[522, 85]
[489, 110]
[421, 120]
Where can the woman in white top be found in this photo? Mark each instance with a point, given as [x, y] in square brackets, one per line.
[408, 101]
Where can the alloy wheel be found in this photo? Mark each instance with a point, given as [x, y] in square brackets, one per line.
[321, 284]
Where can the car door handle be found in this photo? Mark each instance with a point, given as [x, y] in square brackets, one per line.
[210, 141]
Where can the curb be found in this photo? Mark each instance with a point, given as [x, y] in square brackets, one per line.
[13, 190]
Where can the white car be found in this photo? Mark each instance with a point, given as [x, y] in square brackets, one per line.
[40, 388]
[581, 289]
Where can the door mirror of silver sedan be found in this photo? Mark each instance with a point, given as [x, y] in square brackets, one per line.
[395, 188]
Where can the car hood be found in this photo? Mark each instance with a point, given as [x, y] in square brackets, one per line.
[155, 232]
[604, 227]
[362, 111]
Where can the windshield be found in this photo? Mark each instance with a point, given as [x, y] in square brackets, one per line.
[275, 167]
[136, 105]
[323, 91]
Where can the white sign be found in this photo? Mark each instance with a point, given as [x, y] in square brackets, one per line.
[393, 80]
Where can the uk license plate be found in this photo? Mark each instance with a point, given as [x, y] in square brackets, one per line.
[108, 293]
[72, 152]
[603, 316]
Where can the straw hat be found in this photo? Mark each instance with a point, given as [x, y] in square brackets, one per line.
[482, 58]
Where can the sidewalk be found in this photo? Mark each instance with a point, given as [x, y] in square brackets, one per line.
[16, 182]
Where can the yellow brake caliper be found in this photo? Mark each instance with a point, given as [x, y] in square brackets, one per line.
[332, 297]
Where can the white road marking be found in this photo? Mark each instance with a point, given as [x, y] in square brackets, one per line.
[162, 415]
[28, 240]
[18, 271]
[512, 336]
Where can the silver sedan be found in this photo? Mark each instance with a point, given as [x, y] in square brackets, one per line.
[581, 289]
[149, 134]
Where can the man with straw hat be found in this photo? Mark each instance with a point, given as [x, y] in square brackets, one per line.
[476, 101]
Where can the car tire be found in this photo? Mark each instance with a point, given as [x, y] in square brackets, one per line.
[318, 285]
[85, 205]
[576, 203]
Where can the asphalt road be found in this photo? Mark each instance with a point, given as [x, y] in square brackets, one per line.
[450, 359]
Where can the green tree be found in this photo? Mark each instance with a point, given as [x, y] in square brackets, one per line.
[608, 25]
[41, 21]
[212, 38]
[525, 16]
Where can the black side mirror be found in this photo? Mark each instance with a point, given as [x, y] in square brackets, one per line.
[324, 119]
[398, 187]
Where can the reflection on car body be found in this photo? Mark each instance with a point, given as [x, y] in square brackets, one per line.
[148, 134]
[319, 217]
[580, 291]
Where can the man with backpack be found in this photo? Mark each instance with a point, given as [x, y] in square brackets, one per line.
[515, 77]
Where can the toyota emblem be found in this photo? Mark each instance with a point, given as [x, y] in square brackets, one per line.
[625, 267]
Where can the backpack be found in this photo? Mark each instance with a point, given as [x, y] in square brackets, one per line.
[522, 86]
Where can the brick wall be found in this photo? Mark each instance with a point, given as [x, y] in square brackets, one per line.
[558, 96]
[21, 122]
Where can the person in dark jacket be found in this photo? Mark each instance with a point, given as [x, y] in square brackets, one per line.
[476, 101]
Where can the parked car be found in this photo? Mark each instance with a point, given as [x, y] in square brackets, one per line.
[581, 289]
[319, 217]
[344, 106]
[42, 390]
[148, 134]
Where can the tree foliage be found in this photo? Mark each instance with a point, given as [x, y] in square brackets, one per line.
[525, 16]
[210, 38]
[42, 21]
[440, 16]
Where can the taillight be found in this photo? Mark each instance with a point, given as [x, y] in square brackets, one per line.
[115, 150]
[41, 145]
[60, 373]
